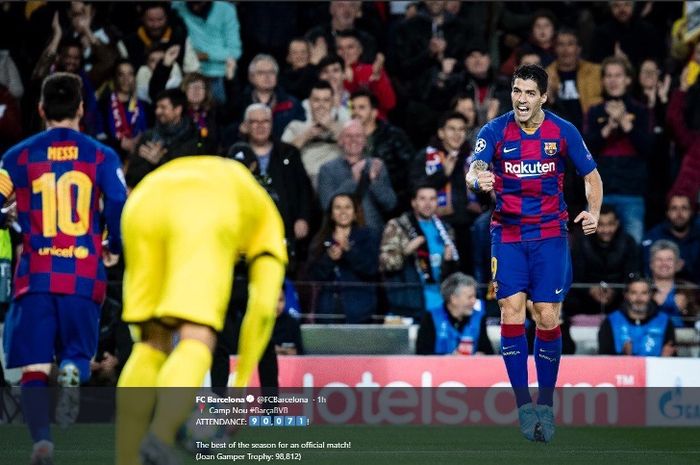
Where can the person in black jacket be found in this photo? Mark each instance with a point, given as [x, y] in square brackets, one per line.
[174, 135]
[387, 142]
[443, 165]
[619, 136]
[345, 253]
[282, 174]
[608, 256]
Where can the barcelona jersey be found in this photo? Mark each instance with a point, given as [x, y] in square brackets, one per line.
[529, 171]
[68, 187]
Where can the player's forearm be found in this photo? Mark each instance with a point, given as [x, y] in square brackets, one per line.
[266, 274]
[594, 192]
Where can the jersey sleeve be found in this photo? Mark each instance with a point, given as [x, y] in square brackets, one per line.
[110, 178]
[485, 145]
[7, 187]
[577, 150]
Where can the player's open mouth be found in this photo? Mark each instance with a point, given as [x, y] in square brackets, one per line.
[522, 109]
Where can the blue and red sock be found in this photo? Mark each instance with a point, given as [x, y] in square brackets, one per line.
[514, 352]
[36, 401]
[547, 352]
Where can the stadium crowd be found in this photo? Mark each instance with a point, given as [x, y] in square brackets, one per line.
[360, 120]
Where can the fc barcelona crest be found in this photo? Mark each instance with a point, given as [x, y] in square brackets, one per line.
[550, 148]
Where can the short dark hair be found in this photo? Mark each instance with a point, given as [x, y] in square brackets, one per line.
[145, 6]
[567, 31]
[322, 84]
[176, 96]
[451, 115]
[606, 209]
[532, 73]
[61, 95]
[636, 278]
[373, 101]
[422, 183]
[330, 60]
[349, 33]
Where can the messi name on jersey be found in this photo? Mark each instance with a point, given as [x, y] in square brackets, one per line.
[60, 152]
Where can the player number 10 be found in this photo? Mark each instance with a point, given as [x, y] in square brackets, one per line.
[56, 202]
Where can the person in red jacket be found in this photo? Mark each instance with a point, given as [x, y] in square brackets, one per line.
[682, 120]
[360, 75]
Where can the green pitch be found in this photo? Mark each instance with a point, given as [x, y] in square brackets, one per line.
[419, 445]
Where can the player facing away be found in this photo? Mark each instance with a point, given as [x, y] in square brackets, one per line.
[527, 150]
[60, 177]
[185, 225]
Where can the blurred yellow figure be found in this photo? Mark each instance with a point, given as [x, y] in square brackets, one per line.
[184, 227]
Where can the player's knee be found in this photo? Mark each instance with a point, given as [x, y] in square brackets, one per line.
[546, 316]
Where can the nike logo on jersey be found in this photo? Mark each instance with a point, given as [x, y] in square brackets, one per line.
[558, 291]
[509, 149]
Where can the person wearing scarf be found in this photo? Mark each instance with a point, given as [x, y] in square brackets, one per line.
[174, 135]
[417, 251]
[124, 116]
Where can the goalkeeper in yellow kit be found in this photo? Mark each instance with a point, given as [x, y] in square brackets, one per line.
[184, 226]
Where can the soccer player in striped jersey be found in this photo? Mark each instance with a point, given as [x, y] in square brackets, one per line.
[60, 178]
[521, 156]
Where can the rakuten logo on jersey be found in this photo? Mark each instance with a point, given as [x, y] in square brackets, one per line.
[523, 169]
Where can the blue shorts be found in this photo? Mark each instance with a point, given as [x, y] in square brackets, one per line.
[542, 269]
[42, 327]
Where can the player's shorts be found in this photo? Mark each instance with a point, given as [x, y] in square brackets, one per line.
[41, 326]
[542, 269]
[179, 250]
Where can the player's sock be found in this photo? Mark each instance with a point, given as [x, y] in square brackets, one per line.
[547, 352]
[135, 406]
[514, 352]
[36, 403]
[186, 367]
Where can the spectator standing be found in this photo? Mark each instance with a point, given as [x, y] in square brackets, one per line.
[124, 117]
[158, 28]
[262, 74]
[282, 174]
[618, 134]
[299, 74]
[359, 75]
[214, 31]
[444, 165]
[625, 35]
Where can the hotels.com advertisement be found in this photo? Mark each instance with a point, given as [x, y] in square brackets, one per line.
[458, 390]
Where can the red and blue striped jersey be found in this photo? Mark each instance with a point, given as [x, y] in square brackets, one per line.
[529, 171]
[68, 187]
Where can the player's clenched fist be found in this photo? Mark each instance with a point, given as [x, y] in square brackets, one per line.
[479, 178]
[485, 180]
